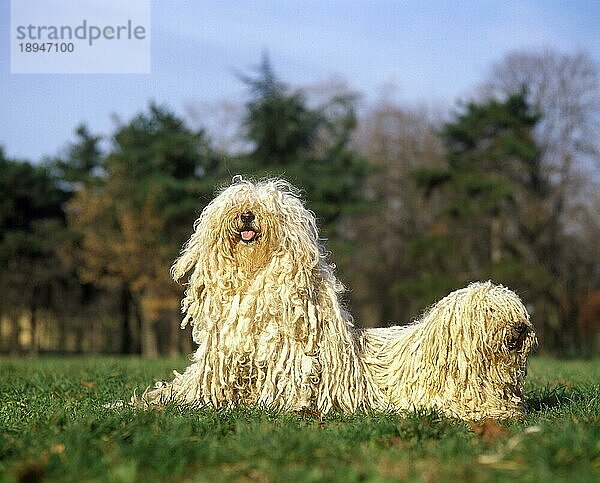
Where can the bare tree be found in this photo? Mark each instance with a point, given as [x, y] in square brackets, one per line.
[395, 140]
[222, 120]
[565, 90]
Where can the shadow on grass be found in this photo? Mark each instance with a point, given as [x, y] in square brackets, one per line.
[553, 397]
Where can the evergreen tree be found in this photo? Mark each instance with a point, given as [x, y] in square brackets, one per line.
[279, 124]
[82, 163]
[135, 219]
[309, 146]
[32, 228]
[491, 195]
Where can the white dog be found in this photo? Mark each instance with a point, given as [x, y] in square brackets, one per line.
[264, 305]
[467, 357]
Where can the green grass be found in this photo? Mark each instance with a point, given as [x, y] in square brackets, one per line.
[53, 427]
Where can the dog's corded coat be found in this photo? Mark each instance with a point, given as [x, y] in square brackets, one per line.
[265, 312]
[466, 357]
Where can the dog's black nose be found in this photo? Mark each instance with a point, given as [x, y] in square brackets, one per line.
[247, 217]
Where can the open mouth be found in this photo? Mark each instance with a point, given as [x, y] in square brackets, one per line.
[248, 235]
[247, 232]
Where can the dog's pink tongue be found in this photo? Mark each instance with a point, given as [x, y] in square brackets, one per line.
[247, 235]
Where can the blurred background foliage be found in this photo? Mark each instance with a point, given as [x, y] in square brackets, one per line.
[413, 204]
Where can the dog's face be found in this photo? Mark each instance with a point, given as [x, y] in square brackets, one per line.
[248, 226]
[253, 222]
[251, 218]
[252, 236]
[491, 323]
[520, 336]
[512, 333]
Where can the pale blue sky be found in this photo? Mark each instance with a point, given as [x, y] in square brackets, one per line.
[434, 51]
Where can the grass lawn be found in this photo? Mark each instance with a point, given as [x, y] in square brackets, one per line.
[53, 427]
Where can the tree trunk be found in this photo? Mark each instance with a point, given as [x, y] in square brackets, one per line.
[33, 347]
[15, 347]
[174, 335]
[127, 345]
[495, 240]
[148, 332]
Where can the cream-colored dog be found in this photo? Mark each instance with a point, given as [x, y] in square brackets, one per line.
[265, 310]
